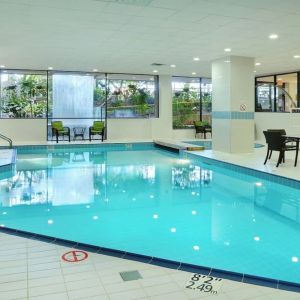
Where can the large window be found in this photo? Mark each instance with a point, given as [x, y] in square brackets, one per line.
[77, 95]
[23, 94]
[77, 99]
[132, 96]
[206, 97]
[265, 93]
[277, 93]
[191, 101]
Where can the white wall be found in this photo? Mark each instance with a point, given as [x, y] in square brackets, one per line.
[288, 121]
[24, 130]
[127, 129]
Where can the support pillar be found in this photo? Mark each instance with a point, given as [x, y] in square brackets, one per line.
[233, 104]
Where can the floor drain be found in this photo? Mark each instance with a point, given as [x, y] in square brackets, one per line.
[130, 275]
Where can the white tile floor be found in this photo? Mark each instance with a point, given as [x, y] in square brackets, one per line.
[256, 159]
[31, 269]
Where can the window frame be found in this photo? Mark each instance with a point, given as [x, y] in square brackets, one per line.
[274, 102]
[200, 81]
[48, 73]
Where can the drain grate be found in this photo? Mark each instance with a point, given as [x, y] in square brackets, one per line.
[130, 275]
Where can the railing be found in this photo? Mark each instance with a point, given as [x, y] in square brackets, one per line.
[3, 137]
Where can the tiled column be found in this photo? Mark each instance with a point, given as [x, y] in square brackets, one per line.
[233, 104]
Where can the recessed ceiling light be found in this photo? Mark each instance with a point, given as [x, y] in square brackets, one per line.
[227, 49]
[2, 66]
[256, 238]
[196, 248]
[155, 71]
[273, 36]
[50, 68]
[296, 56]
[254, 71]
[173, 66]
[196, 58]
[95, 70]
[227, 61]
[194, 73]
[258, 64]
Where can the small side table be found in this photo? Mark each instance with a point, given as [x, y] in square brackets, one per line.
[78, 131]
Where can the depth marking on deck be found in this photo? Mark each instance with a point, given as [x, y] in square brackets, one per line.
[75, 256]
[204, 284]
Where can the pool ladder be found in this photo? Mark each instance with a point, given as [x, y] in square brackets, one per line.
[3, 137]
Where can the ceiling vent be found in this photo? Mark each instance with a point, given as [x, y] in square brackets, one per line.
[128, 2]
[157, 64]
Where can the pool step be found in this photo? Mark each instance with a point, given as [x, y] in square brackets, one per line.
[177, 146]
[7, 157]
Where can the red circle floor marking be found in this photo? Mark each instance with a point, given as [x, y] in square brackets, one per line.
[75, 256]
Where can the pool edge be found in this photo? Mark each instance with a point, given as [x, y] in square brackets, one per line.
[166, 263]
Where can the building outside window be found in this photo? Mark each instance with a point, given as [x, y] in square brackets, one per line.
[265, 94]
[277, 93]
[286, 92]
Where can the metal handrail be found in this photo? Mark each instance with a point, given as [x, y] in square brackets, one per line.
[3, 137]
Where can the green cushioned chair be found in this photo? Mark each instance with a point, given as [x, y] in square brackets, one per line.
[203, 128]
[98, 128]
[58, 129]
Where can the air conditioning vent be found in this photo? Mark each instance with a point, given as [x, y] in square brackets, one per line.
[157, 64]
[128, 2]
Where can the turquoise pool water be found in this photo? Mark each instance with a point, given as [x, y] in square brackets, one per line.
[208, 144]
[153, 202]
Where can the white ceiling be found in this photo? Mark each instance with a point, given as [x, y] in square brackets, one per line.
[129, 35]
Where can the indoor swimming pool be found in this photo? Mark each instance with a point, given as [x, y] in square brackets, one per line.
[141, 199]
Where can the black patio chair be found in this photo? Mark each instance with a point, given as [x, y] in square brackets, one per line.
[282, 132]
[277, 142]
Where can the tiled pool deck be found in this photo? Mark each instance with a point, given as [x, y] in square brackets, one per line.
[32, 269]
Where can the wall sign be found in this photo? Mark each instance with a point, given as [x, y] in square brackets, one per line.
[243, 107]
